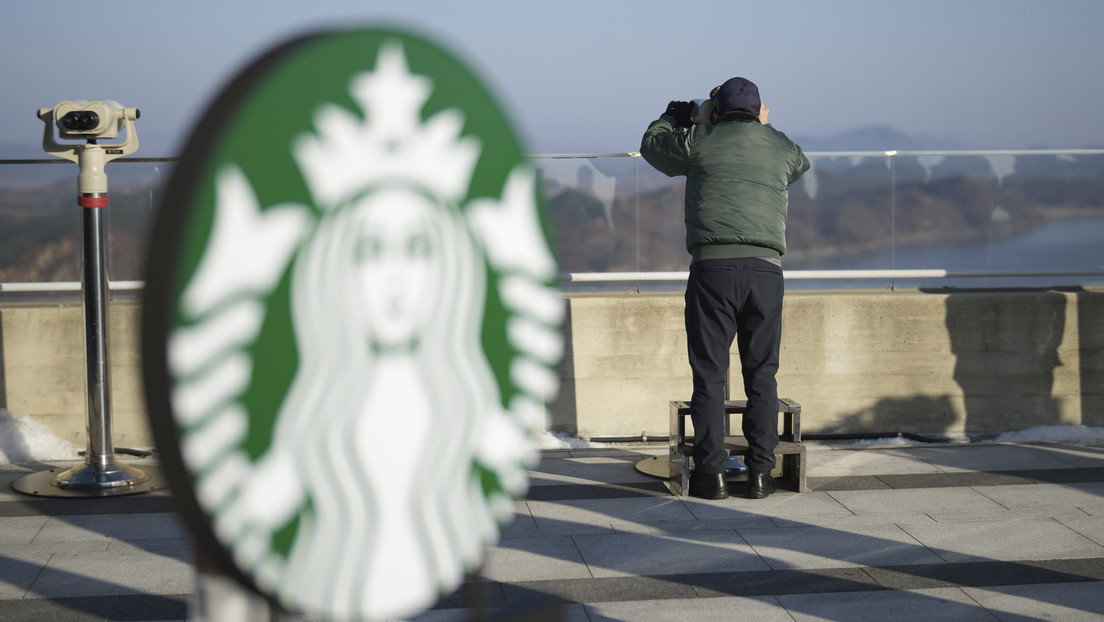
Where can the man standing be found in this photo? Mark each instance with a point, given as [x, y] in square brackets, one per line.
[737, 172]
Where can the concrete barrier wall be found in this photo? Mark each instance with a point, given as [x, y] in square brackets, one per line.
[42, 369]
[942, 362]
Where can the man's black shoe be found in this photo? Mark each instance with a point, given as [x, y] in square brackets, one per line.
[760, 484]
[708, 486]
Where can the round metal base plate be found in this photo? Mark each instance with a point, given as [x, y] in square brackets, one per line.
[45, 483]
[656, 466]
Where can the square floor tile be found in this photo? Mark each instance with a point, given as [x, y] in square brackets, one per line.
[670, 553]
[114, 573]
[827, 547]
[533, 559]
[933, 605]
[721, 609]
[124, 527]
[1068, 602]
[866, 462]
[787, 505]
[920, 501]
[1008, 540]
[989, 457]
[1046, 495]
[606, 512]
[20, 529]
[18, 570]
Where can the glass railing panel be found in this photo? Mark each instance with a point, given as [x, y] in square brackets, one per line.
[841, 215]
[1062, 200]
[40, 222]
[662, 221]
[999, 214]
[613, 214]
[586, 199]
[135, 193]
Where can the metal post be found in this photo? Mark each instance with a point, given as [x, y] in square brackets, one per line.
[94, 305]
[100, 475]
[100, 471]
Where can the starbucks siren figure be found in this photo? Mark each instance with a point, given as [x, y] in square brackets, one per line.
[394, 402]
[401, 303]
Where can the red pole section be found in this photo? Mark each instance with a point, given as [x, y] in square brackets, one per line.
[92, 200]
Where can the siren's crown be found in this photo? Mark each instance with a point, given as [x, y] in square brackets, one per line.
[348, 154]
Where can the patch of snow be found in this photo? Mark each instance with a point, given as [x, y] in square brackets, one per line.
[22, 439]
[885, 441]
[1074, 434]
[563, 440]
[1079, 434]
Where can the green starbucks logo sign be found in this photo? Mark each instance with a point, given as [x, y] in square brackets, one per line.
[350, 330]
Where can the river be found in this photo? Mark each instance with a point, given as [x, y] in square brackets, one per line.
[1074, 244]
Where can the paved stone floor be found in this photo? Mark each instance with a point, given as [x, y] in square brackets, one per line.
[980, 531]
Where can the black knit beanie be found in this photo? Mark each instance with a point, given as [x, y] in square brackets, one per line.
[736, 95]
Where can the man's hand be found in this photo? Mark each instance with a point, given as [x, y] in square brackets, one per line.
[763, 113]
[681, 113]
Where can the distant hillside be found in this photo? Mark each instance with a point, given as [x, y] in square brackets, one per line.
[873, 138]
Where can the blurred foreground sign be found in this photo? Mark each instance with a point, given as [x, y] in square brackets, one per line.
[350, 333]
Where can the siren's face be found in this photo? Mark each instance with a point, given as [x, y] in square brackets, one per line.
[397, 259]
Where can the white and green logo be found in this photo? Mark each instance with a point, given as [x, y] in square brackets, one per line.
[350, 330]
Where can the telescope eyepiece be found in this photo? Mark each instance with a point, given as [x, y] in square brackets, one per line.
[80, 121]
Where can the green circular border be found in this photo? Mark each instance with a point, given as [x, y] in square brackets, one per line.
[252, 124]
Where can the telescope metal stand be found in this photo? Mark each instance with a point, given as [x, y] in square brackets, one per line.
[100, 475]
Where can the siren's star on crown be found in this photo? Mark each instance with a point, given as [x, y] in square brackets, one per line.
[348, 155]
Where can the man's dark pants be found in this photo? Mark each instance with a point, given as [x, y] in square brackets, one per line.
[727, 299]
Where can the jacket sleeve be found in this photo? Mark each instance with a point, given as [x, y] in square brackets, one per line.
[799, 166]
[667, 150]
[799, 163]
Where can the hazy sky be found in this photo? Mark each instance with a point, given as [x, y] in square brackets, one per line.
[588, 76]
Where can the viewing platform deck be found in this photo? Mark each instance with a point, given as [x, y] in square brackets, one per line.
[930, 531]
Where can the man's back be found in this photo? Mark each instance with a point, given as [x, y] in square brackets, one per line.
[737, 173]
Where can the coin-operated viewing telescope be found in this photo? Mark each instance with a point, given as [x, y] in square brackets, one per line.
[92, 120]
[88, 123]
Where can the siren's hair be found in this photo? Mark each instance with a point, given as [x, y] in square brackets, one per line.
[335, 362]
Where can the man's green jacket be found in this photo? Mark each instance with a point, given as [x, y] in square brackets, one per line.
[737, 174]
